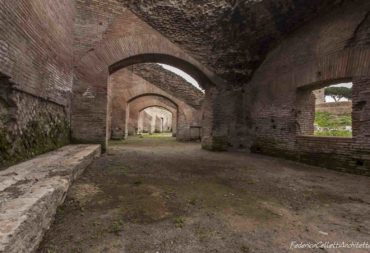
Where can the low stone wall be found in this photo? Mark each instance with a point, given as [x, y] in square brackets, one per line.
[334, 153]
[337, 153]
[336, 108]
[30, 193]
[29, 126]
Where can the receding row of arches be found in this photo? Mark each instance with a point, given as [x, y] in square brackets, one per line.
[137, 93]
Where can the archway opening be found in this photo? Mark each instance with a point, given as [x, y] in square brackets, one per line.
[138, 78]
[164, 108]
[155, 121]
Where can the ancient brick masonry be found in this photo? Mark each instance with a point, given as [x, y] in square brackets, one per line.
[338, 108]
[231, 37]
[170, 82]
[133, 41]
[36, 76]
[154, 120]
[258, 62]
[131, 94]
[180, 127]
[279, 104]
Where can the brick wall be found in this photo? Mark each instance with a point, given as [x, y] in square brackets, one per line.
[36, 47]
[337, 108]
[279, 104]
[170, 82]
[164, 125]
[36, 69]
[139, 104]
[126, 86]
[121, 39]
[145, 122]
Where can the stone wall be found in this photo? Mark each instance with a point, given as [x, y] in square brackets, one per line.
[336, 108]
[29, 125]
[36, 72]
[279, 103]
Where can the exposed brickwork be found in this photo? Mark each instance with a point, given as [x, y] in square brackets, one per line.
[337, 153]
[305, 112]
[263, 99]
[232, 37]
[170, 82]
[279, 101]
[161, 124]
[337, 108]
[145, 122]
[133, 41]
[36, 49]
[141, 103]
[126, 86]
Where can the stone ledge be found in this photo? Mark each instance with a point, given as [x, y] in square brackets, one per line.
[30, 193]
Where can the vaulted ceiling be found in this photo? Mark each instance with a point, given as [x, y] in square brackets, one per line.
[169, 82]
[231, 37]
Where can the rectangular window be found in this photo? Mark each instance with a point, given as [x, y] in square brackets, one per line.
[333, 110]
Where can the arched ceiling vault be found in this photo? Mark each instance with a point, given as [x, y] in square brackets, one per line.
[232, 37]
[169, 82]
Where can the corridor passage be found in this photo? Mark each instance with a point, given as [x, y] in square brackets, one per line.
[153, 194]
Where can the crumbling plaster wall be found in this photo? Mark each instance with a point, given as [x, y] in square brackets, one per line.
[329, 49]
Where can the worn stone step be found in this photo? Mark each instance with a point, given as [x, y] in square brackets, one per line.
[30, 193]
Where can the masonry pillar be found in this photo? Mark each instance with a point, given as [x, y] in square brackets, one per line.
[89, 118]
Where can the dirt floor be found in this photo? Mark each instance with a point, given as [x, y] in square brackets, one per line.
[155, 195]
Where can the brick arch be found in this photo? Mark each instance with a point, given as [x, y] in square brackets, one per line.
[153, 101]
[126, 86]
[90, 99]
[169, 113]
[202, 76]
[146, 100]
[154, 95]
[326, 50]
[162, 107]
[112, 55]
